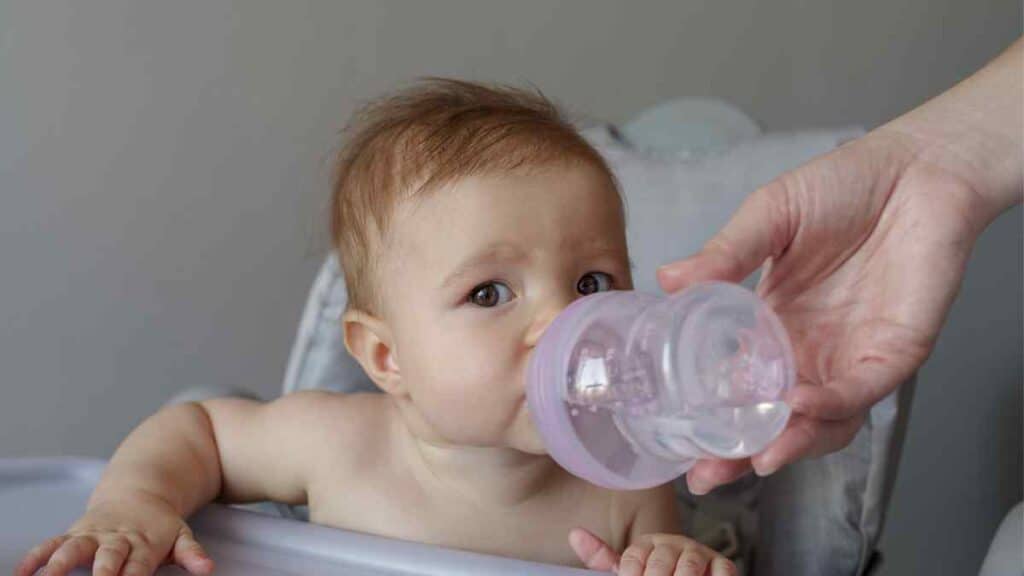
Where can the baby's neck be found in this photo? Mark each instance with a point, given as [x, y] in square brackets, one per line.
[499, 477]
[489, 477]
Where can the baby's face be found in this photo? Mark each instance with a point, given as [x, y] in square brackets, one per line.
[473, 275]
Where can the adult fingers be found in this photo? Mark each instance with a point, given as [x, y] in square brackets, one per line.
[853, 392]
[706, 475]
[803, 437]
[761, 228]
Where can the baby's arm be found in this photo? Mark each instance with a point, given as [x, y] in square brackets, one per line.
[655, 544]
[176, 461]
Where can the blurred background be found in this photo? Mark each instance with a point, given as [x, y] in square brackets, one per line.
[164, 173]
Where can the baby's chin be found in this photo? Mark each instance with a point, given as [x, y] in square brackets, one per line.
[534, 447]
[529, 438]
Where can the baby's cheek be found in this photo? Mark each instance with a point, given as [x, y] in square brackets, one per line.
[474, 389]
[478, 355]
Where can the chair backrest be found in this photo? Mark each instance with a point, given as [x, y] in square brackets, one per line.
[820, 516]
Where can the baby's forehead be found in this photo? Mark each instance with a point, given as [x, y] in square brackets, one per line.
[507, 218]
[548, 183]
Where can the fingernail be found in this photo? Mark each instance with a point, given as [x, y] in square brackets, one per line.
[576, 538]
[699, 488]
[766, 469]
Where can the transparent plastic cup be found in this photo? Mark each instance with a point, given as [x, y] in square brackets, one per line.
[629, 389]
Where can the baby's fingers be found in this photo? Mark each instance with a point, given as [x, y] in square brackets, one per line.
[190, 555]
[594, 552]
[75, 551]
[693, 561]
[722, 566]
[634, 559]
[662, 561]
[141, 562]
[111, 556]
[38, 556]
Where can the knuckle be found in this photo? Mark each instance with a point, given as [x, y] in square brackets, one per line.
[70, 547]
[139, 540]
[104, 568]
[691, 562]
[118, 544]
[658, 563]
[150, 540]
[37, 550]
[188, 542]
[136, 567]
[56, 564]
[633, 553]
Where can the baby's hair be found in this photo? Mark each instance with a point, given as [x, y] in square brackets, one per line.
[424, 137]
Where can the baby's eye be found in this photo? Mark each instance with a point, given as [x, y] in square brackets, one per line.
[594, 282]
[490, 294]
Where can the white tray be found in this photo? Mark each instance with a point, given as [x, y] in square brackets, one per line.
[40, 498]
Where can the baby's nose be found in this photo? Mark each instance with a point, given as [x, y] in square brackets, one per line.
[543, 319]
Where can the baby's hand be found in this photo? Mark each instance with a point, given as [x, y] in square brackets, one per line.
[651, 555]
[129, 537]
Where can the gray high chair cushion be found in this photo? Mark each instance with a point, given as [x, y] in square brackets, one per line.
[817, 517]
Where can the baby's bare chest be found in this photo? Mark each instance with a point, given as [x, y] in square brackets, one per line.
[394, 507]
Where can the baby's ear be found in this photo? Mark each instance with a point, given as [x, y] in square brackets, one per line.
[368, 340]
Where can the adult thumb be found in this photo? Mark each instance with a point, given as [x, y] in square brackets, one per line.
[762, 228]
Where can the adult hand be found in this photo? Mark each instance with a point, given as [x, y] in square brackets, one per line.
[863, 251]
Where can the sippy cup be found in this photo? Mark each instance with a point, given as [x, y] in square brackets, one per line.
[629, 389]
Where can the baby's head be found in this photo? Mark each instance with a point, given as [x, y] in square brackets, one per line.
[465, 218]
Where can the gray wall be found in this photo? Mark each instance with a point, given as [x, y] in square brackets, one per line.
[163, 170]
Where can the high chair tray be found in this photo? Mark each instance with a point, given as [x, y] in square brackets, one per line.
[40, 498]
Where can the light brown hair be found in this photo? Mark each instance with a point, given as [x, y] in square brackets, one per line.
[424, 137]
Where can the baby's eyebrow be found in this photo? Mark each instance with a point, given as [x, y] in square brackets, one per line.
[598, 249]
[505, 253]
[490, 254]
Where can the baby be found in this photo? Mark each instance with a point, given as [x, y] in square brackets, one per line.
[466, 217]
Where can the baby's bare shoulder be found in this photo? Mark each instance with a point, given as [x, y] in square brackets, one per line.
[334, 422]
[314, 412]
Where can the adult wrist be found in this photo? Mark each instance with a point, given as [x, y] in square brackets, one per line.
[973, 133]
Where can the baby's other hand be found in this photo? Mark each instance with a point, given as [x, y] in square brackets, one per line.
[651, 555]
[129, 537]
